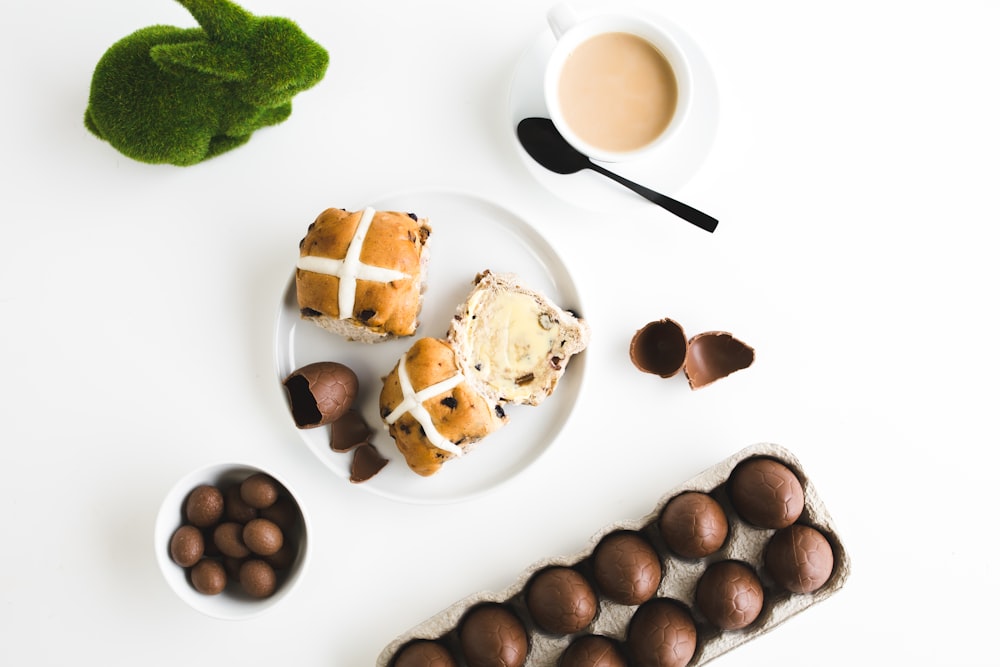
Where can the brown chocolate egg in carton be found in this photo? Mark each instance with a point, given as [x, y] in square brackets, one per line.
[745, 543]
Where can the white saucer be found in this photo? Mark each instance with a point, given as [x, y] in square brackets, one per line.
[666, 171]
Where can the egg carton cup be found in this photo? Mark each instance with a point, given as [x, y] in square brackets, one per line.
[680, 576]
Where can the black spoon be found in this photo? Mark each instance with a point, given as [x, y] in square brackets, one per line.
[543, 142]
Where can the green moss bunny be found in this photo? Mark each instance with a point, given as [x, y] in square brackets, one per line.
[182, 95]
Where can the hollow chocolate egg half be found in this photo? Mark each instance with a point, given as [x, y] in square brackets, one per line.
[659, 348]
[320, 393]
[714, 355]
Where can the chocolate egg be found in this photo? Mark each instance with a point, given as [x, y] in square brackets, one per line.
[283, 558]
[730, 595]
[187, 545]
[713, 355]
[799, 558]
[491, 635]
[259, 490]
[228, 537]
[661, 634]
[424, 653]
[659, 348]
[236, 508]
[592, 651]
[766, 493]
[693, 525]
[232, 567]
[561, 600]
[283, 512]
[208, 577]
[204, 506]
[319, 393]
[263, 537]
[258, 578]
[626, 567]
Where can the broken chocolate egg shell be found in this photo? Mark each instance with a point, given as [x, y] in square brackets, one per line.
[713, 355]
[366, 463]
[320, 393]
[659, 348]
[350, 431]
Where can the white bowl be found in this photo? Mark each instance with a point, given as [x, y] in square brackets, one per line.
[233, 603]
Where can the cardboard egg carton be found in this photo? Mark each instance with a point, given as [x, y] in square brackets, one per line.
[680, 576]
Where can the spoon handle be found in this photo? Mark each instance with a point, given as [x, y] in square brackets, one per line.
[680, 209]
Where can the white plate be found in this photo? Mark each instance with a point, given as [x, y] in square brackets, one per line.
[665, 171]
[468, 235]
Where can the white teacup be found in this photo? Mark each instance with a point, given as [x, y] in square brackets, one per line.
[616, 86]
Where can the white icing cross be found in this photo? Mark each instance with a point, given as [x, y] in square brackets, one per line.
[413, 403]
[351, 269]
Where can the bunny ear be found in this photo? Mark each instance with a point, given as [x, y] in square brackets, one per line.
[220, 19]
[228, 64]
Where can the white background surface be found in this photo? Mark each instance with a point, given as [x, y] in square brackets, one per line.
[854, 174]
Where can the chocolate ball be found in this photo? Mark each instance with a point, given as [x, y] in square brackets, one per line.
[799, 558]
[259, 490]
[283, 558]
[730, 595]
[693, 525]
[766, 493]
[592, 651]
[204, 506]
[258, 578]
[627, 568]
[661, 634]
[187, 545]
[424, 653]
[208, 577]
[283, 512]
[320, 393]
[228, 537]
[236, 508]
[561, 600]
[491, 635]
[659, 348]
[232, 566]
[263, 537]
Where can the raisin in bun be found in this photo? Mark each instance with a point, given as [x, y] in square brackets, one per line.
[513, 343]
[361, 274]
[431, 410]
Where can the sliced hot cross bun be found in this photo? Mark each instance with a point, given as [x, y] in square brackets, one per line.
[513, 343]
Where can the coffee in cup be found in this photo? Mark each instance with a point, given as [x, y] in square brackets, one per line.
[616, 86]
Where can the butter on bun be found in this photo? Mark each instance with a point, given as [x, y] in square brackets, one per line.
[514, 343]
[362, 274]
